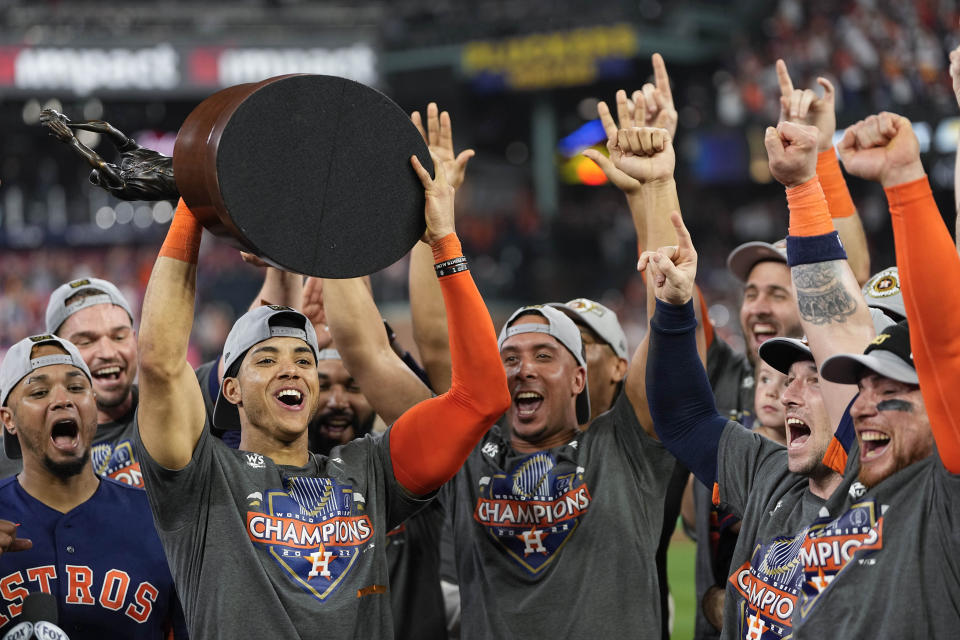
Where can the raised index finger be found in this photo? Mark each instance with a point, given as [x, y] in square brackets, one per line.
[683, 236]
[660, 77]
[783, 78]
[609, 126]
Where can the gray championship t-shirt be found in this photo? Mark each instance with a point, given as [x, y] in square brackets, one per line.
[887, 566]
[259, 550]
[112, 452]
[774, 506]
[561, 543]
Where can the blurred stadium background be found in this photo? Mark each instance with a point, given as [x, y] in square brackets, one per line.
[521, 79]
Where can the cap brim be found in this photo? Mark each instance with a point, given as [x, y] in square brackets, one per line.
[781, 353]
[742, 259]
[226, 416]
[847, 368]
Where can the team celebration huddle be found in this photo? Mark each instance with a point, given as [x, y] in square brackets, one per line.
[492, 480]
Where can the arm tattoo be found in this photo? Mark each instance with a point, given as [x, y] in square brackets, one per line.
[821, 295]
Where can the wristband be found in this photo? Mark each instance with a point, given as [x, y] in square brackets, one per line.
[811, 249]
[450, 267]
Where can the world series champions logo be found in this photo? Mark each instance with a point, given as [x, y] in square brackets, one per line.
[830, 547]
[309, 529]
[769, 584]
[117, 462]
[532, 511]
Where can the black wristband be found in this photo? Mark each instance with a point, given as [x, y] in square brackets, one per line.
[449, 267]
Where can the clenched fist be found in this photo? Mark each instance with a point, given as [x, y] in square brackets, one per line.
[792, 152]
[882, 148]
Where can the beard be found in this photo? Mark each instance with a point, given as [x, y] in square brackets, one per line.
[66, 470]
[320, 442]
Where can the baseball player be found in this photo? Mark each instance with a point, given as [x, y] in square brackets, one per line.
[768, 310]
[774, 491]
[895, 535]
[95, 316]
[88, 540]
[300, 536]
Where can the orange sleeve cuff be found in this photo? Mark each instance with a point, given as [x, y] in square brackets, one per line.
[809, 215]
[183, 238]
[446, 248]
[834, 185]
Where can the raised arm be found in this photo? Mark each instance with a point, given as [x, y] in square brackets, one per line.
[641, 164]
[955, 77]
[681, 401]
[430, 442]
[806, 107]
[426, 302]
[833, 312]
[357, 330]
[171, 410]
[928, 264]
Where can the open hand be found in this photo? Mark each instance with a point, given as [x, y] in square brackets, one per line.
[438, 200]
[804, 106]
[439, 139]
[792, 152]
[672, 269]
[882, 148]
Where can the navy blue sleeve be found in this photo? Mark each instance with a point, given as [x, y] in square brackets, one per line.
[681, 402]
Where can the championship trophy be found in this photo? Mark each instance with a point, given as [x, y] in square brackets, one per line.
[311, 173]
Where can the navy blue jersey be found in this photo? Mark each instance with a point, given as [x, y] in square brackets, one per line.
[102, 560]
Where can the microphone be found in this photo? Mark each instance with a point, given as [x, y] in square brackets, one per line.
[40, 610]
[22, 631]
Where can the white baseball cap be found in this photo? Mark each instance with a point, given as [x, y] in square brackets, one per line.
[566, 333]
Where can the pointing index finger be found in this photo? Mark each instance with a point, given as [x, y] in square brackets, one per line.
[783, 78]
[661, 79]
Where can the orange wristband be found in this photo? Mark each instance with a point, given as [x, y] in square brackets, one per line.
[446, 248]
[183, 238]
[834, 186]
[809, 215]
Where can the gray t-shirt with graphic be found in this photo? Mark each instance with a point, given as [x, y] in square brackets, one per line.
[259, 550]
[774, 506]
[887, 566]
[561, 543]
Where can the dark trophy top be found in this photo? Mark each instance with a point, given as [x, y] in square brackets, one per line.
[142, 174]
[309, 172]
